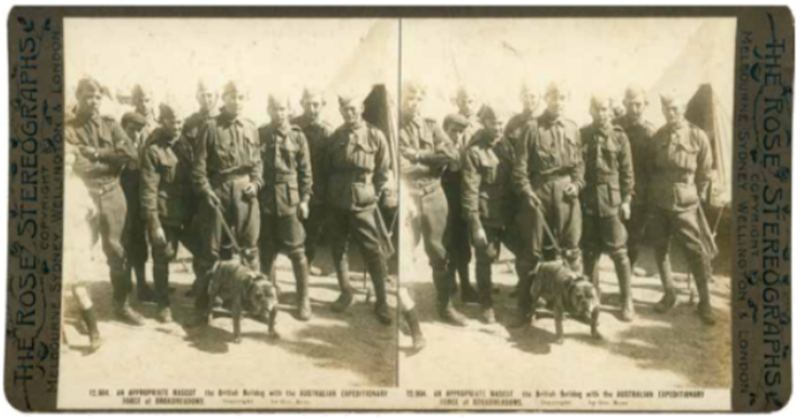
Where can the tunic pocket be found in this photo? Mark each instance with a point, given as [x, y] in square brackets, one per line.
[686, 194]
[363, 194]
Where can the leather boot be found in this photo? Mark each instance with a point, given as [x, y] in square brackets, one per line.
[468, 293]
[143, 292]
[702, 272]
[484, 280]
[124, 313]
[668, 300]
[591, 261]
[447, 313]
[623, 270]
[345, 290]
[418, 340]
[523, 314]
[378, 275]
[301, 269]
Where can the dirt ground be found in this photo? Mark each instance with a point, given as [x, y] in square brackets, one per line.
[654, 351]
[329, 351]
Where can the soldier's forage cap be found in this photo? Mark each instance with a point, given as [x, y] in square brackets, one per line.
[350, 97]
[411, 87]
[601, 99]
[457, 121]
[138, 92]
[233, 86]
[494, 111]
[169, 110]
[88, 85]
[672, 97]
[312, 93]
[555, 88]
[133, 118]
[634, 92]
[279, 99]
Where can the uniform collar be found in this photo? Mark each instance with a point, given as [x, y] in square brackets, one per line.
[283, 130]
[604, 131]
[227, 118]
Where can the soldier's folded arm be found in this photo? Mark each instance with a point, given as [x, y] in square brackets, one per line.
[626, 169]
[149, 191]
[305, 175]
[471, 183]
[409, 162]
[703, 175]
[122, 152]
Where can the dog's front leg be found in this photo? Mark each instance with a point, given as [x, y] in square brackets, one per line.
[271, 324]
[558, 315]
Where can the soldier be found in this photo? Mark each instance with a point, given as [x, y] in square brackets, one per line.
[134, 124]
[226, 175]
[456, 127]
[606, 197]
[207, 100]
[639, 132]
[166, 195]
[530, 98]
[317, 131]
[142, 99]
[103, 151]
[488, 200]
[285, 196]
[468, 108]
[548, 175]
[678, 172]
[356, 167]
[425, 153]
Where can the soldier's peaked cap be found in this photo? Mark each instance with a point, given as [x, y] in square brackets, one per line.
[233, 86]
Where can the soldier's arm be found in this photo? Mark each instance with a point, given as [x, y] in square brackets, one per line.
[200, 179]
[471, 183]
[409, 165]
[305, 179]
[85, 166]
[381, 175]
[257, 166]
[703, 174]
[626, 169]
[522, 147]
[149, 189]
[444, 153]
[122, 152]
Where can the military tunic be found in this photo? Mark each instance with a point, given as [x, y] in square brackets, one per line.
[166, 199]
[287, 184]
[488, 203]
[100, 173]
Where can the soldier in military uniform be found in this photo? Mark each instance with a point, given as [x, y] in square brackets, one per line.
[166, 198]
[356, 165]
[103, 151]
[317, 131]
[285, 196]
[530, 98]
[456, 127]
[678, 172]
[548, 176]
[606, 197]
[136, 247]
[639, 132]
[425, 153]
[488, 200]
[227, 175]
[142, 99]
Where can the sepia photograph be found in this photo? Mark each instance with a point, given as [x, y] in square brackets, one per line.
[565, 207]
[230, 205]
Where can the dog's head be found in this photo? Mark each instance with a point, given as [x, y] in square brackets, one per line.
[583, 298]
[262, 297]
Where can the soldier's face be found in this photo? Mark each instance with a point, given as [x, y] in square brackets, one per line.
[233, 102]
[312, 107]
[455, 133]
[494, 125]
[412, 103]
[351, 113]
[466, 104]
[531, 101]
[672, 111]
[89, 102]
[279, 114]
[144, 104]
[635, 106]
[602, 114]
[173, 124]
[134, 131]
[556, 103]
[206, 100]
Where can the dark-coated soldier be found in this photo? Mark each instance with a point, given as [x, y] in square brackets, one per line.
[606, 197]
[136, 246]
[357, 172]
[548, 176]
[425, 154]
[488, 200]
[166, 195]
[640, 132]
[456, 126]
[285, 196]
[317, 131]
[103, 151]
[227, 175]
[678, 173]
[530, 98]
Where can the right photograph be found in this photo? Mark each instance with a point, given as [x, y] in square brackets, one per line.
[565, 209]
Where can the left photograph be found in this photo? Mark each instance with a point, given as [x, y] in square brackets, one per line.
[231, 208]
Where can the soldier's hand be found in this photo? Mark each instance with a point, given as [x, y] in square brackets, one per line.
[625, 210]
[480, 238]
[250, 190]
[303, 210]
[158, 238]
[213, 200]
[571, 191]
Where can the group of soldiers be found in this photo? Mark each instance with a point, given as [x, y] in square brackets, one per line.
[547, 189]
[224, 188]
